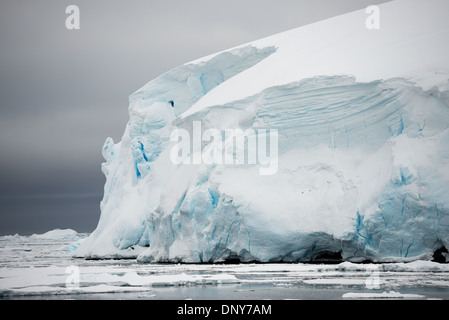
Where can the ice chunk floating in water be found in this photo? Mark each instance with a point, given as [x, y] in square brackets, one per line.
[36, 267]
[363, 149]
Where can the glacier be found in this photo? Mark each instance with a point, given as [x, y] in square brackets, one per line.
[363, 150]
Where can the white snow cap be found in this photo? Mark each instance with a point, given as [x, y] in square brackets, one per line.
[411, 43]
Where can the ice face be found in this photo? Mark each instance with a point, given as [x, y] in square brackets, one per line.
[363, 166]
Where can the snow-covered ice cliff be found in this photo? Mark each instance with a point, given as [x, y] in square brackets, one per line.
[363, 149]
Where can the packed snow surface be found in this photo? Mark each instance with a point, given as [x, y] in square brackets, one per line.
[362, 169]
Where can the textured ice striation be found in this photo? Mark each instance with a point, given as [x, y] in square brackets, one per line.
[363, 169]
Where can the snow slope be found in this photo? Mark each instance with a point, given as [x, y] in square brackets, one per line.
[363, 165]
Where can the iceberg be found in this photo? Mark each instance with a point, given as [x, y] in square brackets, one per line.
[362, 158]
[57, 234]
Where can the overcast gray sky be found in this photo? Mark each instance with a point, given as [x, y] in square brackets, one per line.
[63, 92]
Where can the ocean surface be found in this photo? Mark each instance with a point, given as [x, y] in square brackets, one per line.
[43, 267]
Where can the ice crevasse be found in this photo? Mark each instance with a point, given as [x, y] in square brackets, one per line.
[363, 149]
